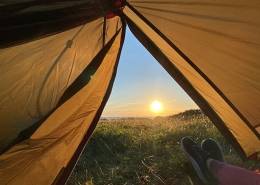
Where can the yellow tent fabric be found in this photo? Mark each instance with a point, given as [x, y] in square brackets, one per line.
[214, 57]
[59, 61]
[36, 74]
[51, 147]
[227, 31]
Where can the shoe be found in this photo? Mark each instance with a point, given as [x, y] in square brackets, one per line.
[213, 149]
[198, 159]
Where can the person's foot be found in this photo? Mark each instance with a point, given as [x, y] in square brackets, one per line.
[198, 159]
[213, 149]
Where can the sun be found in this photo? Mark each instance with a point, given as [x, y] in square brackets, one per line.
[156, 106]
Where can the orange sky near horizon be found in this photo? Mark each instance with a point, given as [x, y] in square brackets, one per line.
[142, 108]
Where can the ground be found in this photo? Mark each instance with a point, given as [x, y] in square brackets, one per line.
[140, 151]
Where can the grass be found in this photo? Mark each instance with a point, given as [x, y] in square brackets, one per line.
[146, 151]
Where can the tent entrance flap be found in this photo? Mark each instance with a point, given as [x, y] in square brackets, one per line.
[67, 127]
[225, 118]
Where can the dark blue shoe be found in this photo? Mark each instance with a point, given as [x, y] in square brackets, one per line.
[198, 159]
[213, 149]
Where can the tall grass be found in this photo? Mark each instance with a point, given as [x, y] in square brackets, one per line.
[146, 151]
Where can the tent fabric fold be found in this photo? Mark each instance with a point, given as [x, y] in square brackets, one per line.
[58, 62]
[40, 71]
[53, 144]
[37, 19]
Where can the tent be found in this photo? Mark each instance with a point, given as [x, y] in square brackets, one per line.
[58, 61]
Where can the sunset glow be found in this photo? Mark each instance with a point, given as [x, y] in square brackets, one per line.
[142, 87]
[156, 106]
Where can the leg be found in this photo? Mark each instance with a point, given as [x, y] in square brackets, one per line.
[228, 174]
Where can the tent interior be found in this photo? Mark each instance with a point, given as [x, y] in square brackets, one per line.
[59, 60]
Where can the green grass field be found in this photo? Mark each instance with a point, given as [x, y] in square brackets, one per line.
[146, 151]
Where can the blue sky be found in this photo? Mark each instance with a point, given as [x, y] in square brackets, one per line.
[140, 80]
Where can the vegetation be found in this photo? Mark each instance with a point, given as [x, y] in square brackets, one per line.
[145, 151]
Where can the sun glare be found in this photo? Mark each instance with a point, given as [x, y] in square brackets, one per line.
[156, 106]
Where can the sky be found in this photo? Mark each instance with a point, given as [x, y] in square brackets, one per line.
[141, 80]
